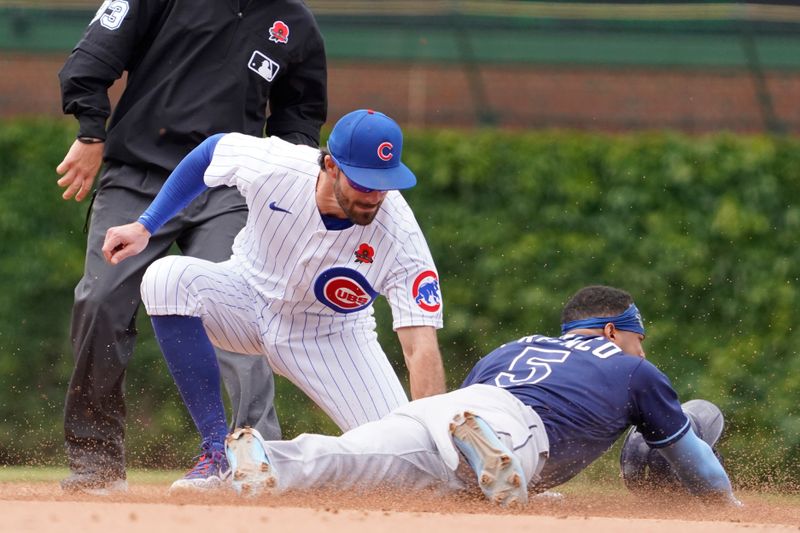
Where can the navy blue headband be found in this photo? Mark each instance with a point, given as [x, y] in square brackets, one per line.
[630, 320]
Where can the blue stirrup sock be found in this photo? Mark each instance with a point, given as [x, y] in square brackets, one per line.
[193, 364]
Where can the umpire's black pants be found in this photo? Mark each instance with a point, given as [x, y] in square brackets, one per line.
[104, 313]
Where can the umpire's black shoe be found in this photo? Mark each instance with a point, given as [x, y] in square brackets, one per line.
[94, 484]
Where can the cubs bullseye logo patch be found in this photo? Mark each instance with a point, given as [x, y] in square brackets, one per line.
[425, 291]
[344, 290]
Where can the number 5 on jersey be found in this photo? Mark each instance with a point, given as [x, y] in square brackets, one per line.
[532, 365]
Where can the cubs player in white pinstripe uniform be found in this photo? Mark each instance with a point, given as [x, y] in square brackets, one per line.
[326, 233]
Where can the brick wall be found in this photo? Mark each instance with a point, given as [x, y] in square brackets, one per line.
[617, 99]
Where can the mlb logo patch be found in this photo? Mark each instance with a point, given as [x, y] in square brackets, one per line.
[263, 66]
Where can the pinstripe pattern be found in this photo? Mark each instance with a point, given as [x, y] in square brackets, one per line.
[263, 301]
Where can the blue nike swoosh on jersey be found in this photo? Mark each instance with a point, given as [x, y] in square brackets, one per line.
[276, 208]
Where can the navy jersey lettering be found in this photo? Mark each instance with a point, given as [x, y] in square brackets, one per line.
[587, 392]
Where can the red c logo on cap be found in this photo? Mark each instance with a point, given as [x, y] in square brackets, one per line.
[384, 151]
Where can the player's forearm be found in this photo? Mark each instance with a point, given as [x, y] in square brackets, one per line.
[426, 373]
[423, 360]
[697, 467]
[183, 185]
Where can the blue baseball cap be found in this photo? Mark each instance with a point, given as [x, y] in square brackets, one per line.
[367, 146]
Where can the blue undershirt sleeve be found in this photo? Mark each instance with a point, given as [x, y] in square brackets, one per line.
[697, 467]
[183, 185]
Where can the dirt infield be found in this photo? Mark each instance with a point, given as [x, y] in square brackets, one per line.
[41, 507]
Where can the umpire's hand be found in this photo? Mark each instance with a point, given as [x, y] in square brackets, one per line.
[79, 168]
[125, 241]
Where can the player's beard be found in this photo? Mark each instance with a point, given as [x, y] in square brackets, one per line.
[358, 212]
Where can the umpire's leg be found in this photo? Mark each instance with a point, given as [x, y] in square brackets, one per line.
[251, 389]
[213, 222]
[104, 333]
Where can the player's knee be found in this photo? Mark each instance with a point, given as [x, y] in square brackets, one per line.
[159, 279]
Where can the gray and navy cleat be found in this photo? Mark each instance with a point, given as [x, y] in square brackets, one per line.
[252, 472]
[499, 472]
[209, 472]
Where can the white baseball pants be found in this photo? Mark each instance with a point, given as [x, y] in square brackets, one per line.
[339, 365]
[411, 447]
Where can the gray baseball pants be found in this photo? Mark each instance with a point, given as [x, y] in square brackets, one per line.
[104, 316]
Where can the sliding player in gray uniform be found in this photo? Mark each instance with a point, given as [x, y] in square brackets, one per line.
[326, 233]
[531, 414]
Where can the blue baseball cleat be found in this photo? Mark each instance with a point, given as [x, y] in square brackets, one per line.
[252, 472]
[209, 472]
[499, 472]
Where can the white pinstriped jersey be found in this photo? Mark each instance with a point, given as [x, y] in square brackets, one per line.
[291, 259]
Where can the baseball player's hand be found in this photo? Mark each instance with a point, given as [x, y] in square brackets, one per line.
[125, 241]
[79, 168]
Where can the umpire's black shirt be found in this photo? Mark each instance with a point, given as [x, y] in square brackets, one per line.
[195, 68]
